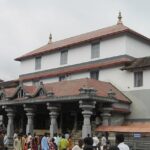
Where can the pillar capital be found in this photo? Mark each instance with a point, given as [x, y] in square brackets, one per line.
[29, 108]
[9, 109]
[87, 105]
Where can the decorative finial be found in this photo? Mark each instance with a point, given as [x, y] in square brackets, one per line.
[50, 39]
[119, 18]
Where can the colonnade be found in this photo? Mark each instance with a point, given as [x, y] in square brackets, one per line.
[54, 110]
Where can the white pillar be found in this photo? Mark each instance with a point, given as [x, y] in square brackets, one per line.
[10, 126]
[30, 117]
[53, 118]
[87, 107]
[105, 116]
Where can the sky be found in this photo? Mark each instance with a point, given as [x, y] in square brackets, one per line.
[26, 24]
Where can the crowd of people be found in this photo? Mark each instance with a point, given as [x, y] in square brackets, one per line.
[61, 142]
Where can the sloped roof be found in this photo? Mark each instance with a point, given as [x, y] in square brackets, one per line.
[72, 87]
[83, 38]
[136, 127]
[138, 63]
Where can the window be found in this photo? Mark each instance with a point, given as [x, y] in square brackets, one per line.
[62, 78]
[64, 57]
[138, 79]
[95, 50]
[36, 83]
[41, 93]
[37, 63]
[94, 74]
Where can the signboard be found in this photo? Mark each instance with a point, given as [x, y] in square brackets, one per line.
[137, 135]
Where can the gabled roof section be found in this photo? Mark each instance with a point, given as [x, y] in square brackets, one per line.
[138, 63]
[9, 92]
[80, 39]
[72, 88]
[40, 91]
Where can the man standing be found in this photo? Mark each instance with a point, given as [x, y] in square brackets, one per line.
[120, 142]
[63, 145]
[44, 142]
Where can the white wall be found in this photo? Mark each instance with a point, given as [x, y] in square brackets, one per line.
[27, 66]
[50, 61]
[50, 80]
[140, 104]
[136, 47]
[108, 48]
[124, 80]
[113, 46]
[121, 79]
[80, 75]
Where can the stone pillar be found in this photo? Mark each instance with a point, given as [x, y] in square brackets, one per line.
[87, 107]
[53, 113]
[10, 126]
[30, 117]
[106, 115]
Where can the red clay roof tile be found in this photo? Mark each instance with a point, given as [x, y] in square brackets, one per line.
[72, 87]
[136, 127]
[83, 38]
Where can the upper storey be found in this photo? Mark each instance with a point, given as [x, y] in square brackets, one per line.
[101, 44]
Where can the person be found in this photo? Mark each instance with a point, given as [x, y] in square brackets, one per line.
[5, 140]
[120, 142]
[63, 145]
[44, 143]
[18, 142]
[113, 148]
[95, 142]
[34, 144]
[29, 140]
[88, 143]
[103, 140]
[52, 144]
[70, 144]
[88, 140]
[79, 146]
[1, 141]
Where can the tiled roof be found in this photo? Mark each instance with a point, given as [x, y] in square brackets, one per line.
[72, 87]
[9, 91]
[75, 69]
[136, 127]
[83, 38]
[138, 63]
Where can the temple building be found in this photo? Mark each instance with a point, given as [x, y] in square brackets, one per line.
[97, 79]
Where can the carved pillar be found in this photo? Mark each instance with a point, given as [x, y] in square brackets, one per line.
[53, 113]
[106, 115]
[30, 117]
[87, 107]
[10, 126]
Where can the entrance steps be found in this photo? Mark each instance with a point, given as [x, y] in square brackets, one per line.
[76, 135]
